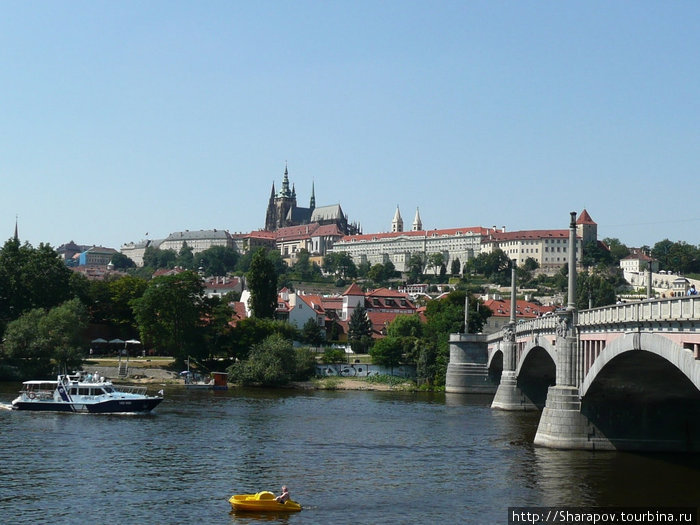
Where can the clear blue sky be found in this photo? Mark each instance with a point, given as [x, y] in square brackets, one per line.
[121, 118]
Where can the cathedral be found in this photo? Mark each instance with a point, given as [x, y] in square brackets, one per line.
[282, 211]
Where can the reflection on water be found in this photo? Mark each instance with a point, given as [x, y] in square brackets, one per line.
[348, 457]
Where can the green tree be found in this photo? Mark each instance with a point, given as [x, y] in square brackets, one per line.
[305, 364]
[677, 257]
[594, 288]
[156, 258]
[387, 352]
[304, 268]
[262, 283]
[30, 278]
[376, 273]
[218, 336]
[339, 264]
[435, 261]
[170, 315]
[455, 266]
[217, 260]
[122, 293]
[185, 258]
[443, 317]
[595, 253]
[271, 362]
[122, 262]
[311, 333]
[334, 355]
[253, 330]
[416, 264]
[40, 340]
[531, 264]
[363, 268]
[405, 326]
[494, 265]
[617, 251]
[359, 330]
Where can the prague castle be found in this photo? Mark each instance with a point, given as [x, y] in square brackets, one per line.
[282, 211]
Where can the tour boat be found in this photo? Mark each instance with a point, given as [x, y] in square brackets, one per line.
[84, 393]
[262, 502]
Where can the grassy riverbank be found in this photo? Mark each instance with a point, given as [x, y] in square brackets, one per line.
[159, 370]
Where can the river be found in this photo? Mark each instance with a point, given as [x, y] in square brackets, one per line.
[347, 457]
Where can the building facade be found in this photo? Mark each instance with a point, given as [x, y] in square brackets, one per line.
[398, 247]
[197, 240]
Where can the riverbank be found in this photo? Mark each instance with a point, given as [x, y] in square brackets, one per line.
[159, 376]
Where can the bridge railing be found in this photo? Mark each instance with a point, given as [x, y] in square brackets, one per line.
[546, 324]
[658, 310]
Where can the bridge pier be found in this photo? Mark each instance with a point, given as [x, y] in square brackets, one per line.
[563, 426]
[467, 371]
[508, 395]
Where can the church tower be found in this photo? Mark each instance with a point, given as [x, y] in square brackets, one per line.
[586, 228]
[417, 223]
[397, 223]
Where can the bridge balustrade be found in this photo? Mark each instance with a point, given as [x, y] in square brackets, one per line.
[659, 310]
[546, 324]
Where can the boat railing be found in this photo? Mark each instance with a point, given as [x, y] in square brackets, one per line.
[141, 390]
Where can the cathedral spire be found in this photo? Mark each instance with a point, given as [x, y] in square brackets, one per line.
[16, 233]
[285, 183]
[312, 202]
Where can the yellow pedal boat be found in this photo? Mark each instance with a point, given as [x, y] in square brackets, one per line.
[262, 502]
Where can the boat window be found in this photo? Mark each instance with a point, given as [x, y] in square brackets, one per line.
[97, 391]
[83, 391]
[73, 391]
[108, 389]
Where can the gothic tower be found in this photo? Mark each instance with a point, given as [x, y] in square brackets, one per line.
[280, 204]
[271, 215]
[312, 202]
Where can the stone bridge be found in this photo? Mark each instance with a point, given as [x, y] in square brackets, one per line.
[622, 377]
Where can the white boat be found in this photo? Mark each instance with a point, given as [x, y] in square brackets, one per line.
[84, 393]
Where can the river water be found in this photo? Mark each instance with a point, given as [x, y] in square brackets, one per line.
[347, 457]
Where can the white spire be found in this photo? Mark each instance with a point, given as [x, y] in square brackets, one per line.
[417, 223]
[397, 223]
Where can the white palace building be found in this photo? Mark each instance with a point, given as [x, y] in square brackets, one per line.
[548, 247]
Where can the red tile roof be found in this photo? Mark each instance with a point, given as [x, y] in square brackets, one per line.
[527, 234]
[501, 308]
[421, 233]
[353, 289]
[584, 218]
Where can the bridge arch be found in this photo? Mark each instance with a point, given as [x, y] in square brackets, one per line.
[655, 344]
[643, 392]
[530, 346]
[495, 358]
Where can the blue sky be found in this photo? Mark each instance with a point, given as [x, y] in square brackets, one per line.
[121, 118]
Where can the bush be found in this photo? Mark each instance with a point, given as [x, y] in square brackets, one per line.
[334, 355]
[305, 367]
[270, 363]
